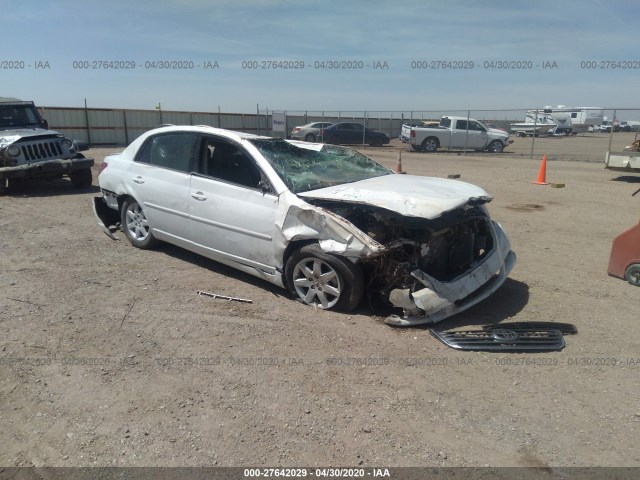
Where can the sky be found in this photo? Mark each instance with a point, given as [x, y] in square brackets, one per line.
[329, 55]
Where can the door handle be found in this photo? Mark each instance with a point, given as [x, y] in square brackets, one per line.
[199, 196]
[138, 179]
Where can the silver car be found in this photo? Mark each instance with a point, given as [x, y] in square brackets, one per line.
[325, 222]
[310, 132]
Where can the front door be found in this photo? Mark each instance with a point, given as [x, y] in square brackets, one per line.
[231, 216]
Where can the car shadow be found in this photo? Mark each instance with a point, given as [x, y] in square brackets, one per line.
[221, 269]
[503, 304]
[506, 302]
[47, 188]
[626, 178]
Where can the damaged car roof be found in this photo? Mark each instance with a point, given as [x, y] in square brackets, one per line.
[409, 195]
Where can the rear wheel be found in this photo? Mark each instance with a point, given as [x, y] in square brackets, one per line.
[632, 274]
[325, 280]
[430, 144]
[309, 137]
[135, 225]
[81, 178]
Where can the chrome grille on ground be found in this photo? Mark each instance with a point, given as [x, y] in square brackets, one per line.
[502, 339]
[42, 150]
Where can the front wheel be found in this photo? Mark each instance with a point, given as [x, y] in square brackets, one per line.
[496, 146]
[632, 274]
[430, 144]
[325, 280]
[135, 225]
[4, 185]
[310, 137]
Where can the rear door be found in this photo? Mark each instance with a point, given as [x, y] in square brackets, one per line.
[159, 179]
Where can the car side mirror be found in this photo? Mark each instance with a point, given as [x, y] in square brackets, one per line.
[264, 186]
[46, 124]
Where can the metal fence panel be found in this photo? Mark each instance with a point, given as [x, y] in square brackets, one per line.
[122, 126]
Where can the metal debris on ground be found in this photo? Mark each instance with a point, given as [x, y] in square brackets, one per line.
[224, 297]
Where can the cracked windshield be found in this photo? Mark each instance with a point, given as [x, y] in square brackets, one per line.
[303, 169]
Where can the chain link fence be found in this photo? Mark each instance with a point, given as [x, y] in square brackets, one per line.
[608, 129]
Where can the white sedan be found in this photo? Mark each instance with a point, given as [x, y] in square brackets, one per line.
[325, 222]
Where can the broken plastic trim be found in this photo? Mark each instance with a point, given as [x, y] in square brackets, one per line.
[503, 339]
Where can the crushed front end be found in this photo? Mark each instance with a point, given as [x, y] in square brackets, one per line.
[431, 268]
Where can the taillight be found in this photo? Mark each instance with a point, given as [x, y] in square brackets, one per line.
[322, 131]
[101, 167]
[296, 129]
[413, 133]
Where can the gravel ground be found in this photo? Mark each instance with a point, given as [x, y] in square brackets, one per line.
[108, 356]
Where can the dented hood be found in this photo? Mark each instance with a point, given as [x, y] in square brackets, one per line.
[408, 195]
[8, 135]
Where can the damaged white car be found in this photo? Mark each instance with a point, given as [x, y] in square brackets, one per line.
[324, 221]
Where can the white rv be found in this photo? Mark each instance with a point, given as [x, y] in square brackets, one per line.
[574, 120]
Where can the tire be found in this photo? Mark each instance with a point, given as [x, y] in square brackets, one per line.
[496, 146]
[135, 225]
[5, 184]
[328, 281]
[309, 137]
[632, 274]
[429, 144]
[82, 178]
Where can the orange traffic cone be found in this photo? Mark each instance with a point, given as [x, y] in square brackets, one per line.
[542, 173]
[399, 164]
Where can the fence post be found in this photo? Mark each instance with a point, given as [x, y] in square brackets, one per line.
[86, 117]
[535, 128]
[466, 138]
[126, 130]
[219, 121]
[611, 134]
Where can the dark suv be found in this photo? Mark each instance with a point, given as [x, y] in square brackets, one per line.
[28, 149]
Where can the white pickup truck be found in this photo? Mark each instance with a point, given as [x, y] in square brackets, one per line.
[458, 132]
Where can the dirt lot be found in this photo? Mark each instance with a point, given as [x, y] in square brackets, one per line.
[108, 356]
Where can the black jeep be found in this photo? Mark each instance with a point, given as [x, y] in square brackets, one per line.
[28, 149]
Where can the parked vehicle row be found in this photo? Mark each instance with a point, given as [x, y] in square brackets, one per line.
[342, 133]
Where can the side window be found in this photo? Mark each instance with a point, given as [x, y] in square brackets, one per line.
[574, 114]
[226, 161]
[461, 125]
[174, 151]
[476, 126]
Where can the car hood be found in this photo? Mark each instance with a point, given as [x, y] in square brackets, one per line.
[497, 131]
[408, 195]
[10, 136]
